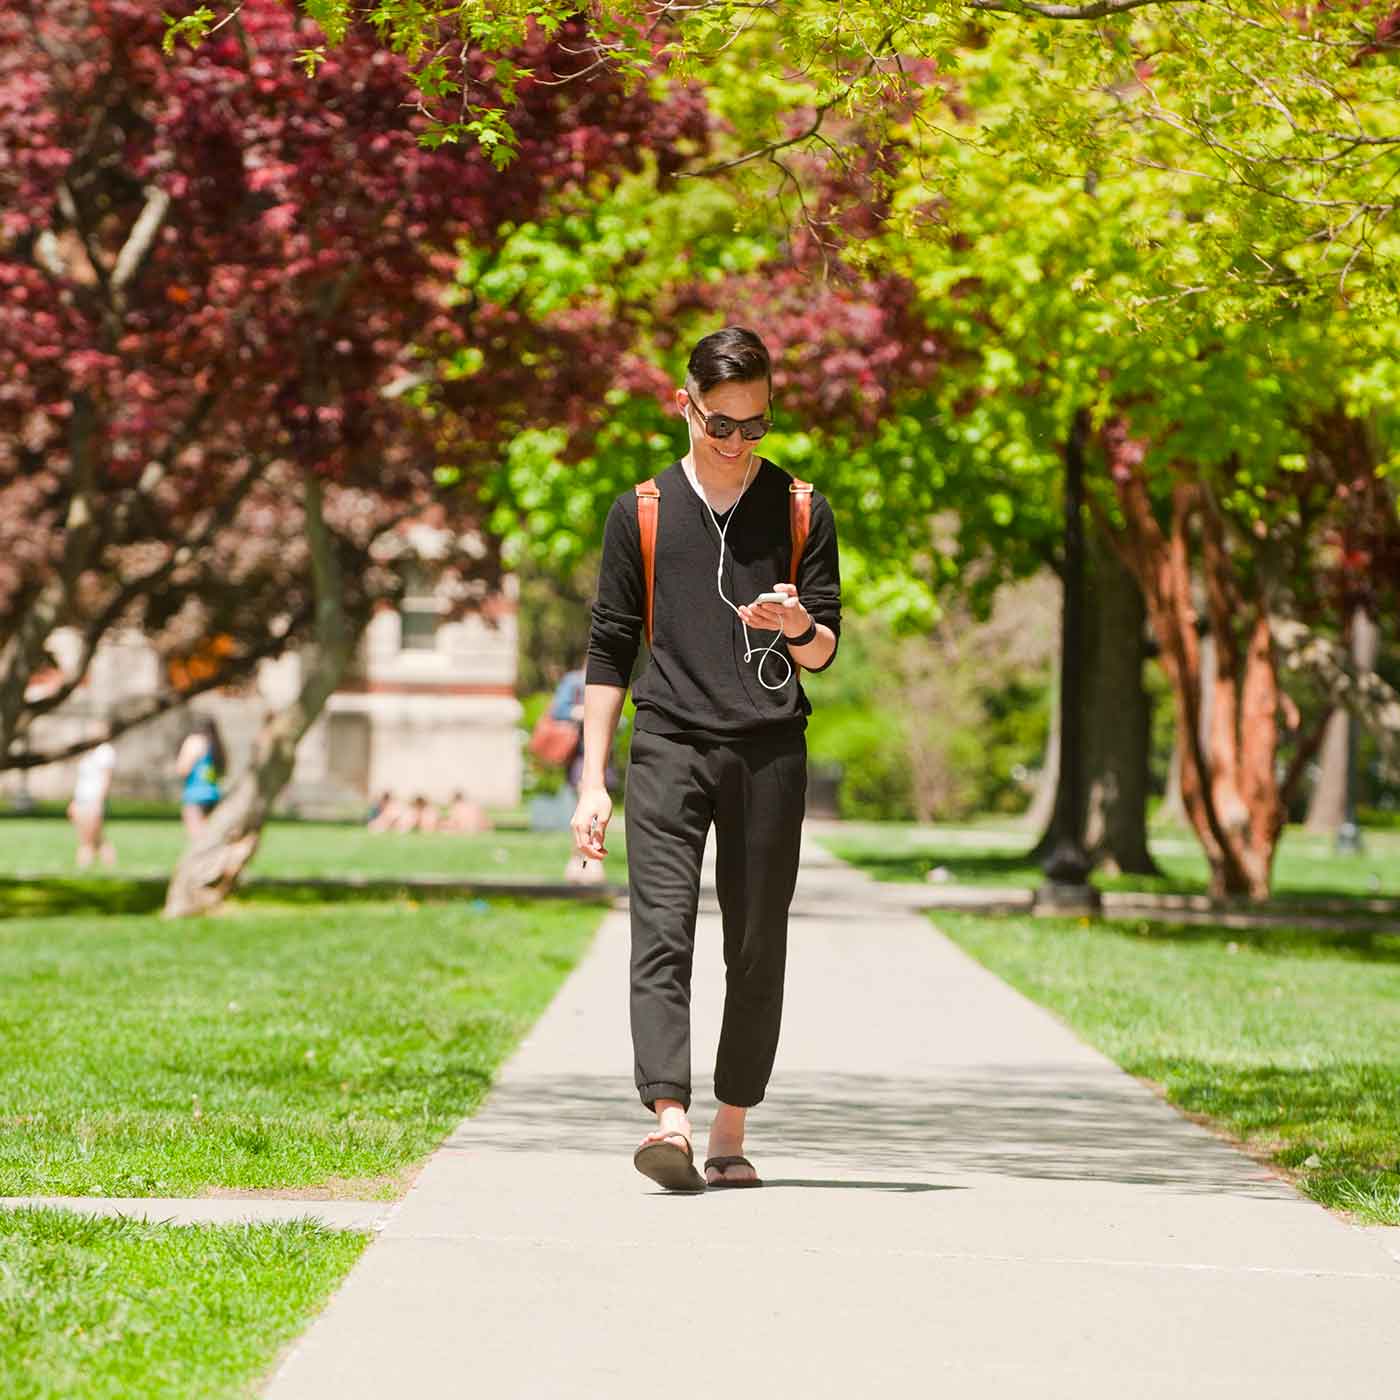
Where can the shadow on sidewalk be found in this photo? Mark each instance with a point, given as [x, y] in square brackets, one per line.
[897, 1187]
[1057, 1122]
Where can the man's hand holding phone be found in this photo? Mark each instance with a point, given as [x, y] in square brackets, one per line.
[778, 611]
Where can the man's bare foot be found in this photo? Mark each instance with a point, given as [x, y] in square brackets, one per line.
[727, 1140]
[665, 1154]
[671, 1124]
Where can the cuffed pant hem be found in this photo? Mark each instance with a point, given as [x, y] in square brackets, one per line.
[662, 1090]
[739, 1098]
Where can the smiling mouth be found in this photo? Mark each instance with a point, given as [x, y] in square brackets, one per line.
[738, 453]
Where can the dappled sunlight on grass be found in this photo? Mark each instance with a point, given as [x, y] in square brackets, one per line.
[149, 848]
[1307, 865]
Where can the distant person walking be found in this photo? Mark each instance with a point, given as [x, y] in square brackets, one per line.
[567, 705]
[720, 542]
[201, 763]
[88, 809]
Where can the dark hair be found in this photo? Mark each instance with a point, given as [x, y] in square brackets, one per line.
[732, 354]
[217, 756]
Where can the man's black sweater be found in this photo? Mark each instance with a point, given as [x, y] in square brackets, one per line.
[698, 682]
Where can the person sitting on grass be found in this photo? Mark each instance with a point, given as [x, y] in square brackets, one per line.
[389, 814]
[422, 816]
[465, 816]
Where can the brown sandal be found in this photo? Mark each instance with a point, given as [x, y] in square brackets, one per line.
[668, 1165]
[720, 1163]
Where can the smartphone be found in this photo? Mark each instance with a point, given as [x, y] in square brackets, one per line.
[771, 598]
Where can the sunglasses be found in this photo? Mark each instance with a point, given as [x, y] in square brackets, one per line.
[721, 425]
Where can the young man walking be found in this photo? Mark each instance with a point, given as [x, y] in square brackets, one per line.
[719, 737]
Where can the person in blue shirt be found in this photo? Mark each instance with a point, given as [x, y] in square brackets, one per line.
[201, 763]
[567, 704]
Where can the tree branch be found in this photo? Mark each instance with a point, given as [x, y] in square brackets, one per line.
[137, 247]
[1307, 751]
[156, 705]
[1375, 704]
[98, 626]
[1096, 9]
[767, 151]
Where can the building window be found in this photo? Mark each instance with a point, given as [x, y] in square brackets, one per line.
[418, 628]
[419, 615]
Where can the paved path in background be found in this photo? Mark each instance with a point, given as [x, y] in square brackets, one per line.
[962, 1199]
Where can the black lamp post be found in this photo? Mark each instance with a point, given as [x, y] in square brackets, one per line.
[1066, 888]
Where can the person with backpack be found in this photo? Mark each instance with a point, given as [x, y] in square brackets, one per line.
[730, 568]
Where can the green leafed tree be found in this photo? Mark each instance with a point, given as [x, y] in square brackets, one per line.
[1285, 114]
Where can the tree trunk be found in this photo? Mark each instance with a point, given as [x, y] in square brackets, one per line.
[1060, 851]
[20, 657]
[1327, 805]
[1229, 785]
[1119, 718]
[1042, 806]
[1327, 808]
[1117, 726]
[212, 862]
[1172, 812]
[26, 647]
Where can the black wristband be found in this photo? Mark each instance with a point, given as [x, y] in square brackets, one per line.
[810, 635]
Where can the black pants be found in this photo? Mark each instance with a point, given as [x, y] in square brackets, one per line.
[754, 791]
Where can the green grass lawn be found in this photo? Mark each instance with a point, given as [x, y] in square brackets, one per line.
[1289, 1040]
[149, 847]
[268, 1046]
[94, 1309]
[1306, 865]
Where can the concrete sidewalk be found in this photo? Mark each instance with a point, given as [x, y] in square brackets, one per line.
[962, 1198]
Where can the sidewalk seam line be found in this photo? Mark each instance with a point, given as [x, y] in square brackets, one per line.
[957, 1255]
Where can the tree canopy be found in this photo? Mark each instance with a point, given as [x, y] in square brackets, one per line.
[1283, 115]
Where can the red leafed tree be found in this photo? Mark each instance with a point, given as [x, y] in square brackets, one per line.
[217, 278]
[843, 349]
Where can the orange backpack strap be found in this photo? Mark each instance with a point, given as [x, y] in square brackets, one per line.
[800, 515]
[648, 503]
[800, 518]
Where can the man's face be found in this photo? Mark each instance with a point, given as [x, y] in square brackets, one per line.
[737, 399]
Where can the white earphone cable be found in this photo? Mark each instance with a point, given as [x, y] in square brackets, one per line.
[749, 652]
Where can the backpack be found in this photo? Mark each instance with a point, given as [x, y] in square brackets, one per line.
[648, 506]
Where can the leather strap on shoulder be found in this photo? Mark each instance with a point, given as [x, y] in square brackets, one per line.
[648, 505]
[800, 520]
[800, 516]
